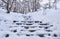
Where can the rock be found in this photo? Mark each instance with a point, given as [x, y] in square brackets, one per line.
[15, 21]
[51, 25]
[49, 34]
[40, 27]
[18, 23]
[36, 21]
[14, 31]
[30, 21]
[18, 34]
[32, 30]
[44, 24]
[48, 30]
[26, 27]
[7, 35]
[41, 35]
[23, 21]
[21, 30]
[27, 34]
[46, 27]
[29, 24]
[40, 21]
[55, 35]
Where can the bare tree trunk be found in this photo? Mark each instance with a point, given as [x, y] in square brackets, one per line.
[35, 6]
[7, 6]
[49, 4]
[55, 4]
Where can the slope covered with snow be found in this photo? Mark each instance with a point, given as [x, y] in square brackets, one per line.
[38, 26]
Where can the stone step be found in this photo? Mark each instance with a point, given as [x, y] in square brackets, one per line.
[19, 23]
[32, 30]
[41, 35]
[29, 24]
[14, 21]
[44, 24]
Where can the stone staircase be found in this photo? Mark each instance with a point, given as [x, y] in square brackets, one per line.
[33, 28]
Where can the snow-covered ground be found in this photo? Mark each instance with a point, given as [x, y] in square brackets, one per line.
[13, 25]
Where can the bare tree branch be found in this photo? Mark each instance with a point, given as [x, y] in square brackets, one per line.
[4, 1]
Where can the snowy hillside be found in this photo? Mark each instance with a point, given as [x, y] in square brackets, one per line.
[34, 25]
